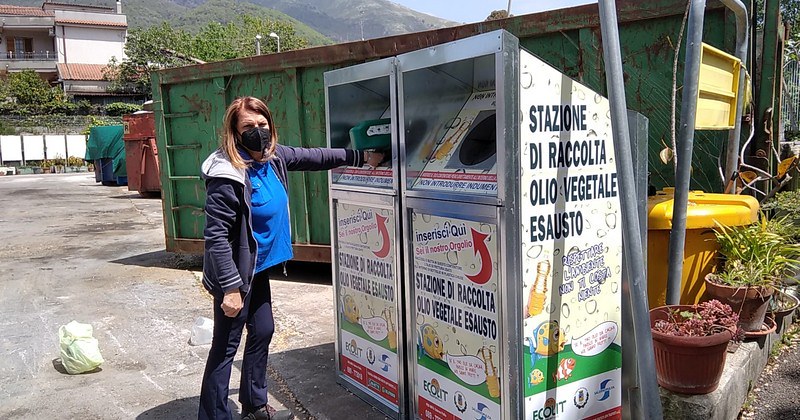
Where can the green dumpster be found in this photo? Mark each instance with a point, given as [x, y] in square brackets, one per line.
[190, 102]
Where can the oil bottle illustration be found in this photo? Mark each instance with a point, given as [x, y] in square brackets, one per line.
[448, 144]
[538, 291]
[392, 335]
[492, 382]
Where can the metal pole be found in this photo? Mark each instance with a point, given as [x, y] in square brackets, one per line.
[685, 140]
[742, 41]
[258, 44]
[277, 38]
[631, 234]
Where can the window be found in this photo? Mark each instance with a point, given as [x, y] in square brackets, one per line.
[18, 46]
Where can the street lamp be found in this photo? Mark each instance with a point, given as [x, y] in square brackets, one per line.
[274, 35]
[258, 44]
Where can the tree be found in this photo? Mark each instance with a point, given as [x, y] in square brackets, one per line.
[145, 48]
[26, 93]
[498, 14]
[790, 12]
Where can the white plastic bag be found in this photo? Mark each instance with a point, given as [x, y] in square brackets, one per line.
[79, 350]
[202, 331]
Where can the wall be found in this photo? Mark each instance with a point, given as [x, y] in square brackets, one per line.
[95, 16]
[77, 87]
[57, 124]
[89, 45]
[19, 149]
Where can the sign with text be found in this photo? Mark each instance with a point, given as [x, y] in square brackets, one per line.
[456, 313]
[366, 281]
[571, 249]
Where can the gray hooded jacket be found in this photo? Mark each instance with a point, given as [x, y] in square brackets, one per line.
[230, 248]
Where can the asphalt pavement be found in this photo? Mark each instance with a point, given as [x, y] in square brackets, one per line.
[72, 249]
[774, 396]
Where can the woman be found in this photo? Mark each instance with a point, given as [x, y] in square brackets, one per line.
[247, 231]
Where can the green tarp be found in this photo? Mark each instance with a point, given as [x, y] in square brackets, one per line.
[105, 142]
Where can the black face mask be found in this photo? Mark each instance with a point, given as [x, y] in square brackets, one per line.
[257, 139]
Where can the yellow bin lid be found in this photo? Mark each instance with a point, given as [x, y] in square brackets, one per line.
[703, 209]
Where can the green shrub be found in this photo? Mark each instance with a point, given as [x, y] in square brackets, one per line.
[6, 129]
[117, 109]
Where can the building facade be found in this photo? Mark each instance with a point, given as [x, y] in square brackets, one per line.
[66, 44]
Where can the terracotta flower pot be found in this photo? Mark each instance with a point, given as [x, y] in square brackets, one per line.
[688, 365]
[782, 305]
[749, 302]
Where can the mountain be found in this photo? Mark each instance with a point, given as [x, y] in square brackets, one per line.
[349, 20]
[339, 20]
[225, 11]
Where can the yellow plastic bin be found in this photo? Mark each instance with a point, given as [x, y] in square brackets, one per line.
[701, 246]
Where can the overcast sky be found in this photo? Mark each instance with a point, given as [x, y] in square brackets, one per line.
[469, 11]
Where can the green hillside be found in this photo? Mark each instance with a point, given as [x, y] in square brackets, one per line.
[224, 11]
[191, 15]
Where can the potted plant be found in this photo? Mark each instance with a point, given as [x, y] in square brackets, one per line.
[757, 258]
[690, 344]
[36, 166]
[76, 164]
[787, 205]
[782, 305]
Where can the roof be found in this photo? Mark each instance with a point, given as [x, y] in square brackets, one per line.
[91, 22]
[70, 71]
[23, 11]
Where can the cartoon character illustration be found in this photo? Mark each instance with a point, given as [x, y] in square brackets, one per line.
[430, 342]
[350, 310]
[564, 370]
[537, 377]
[548, 339]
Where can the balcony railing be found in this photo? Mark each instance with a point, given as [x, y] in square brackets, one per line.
[29, 56]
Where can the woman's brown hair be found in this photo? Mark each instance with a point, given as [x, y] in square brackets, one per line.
[230, 135]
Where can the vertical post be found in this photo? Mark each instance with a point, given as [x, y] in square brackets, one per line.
[742, 43]
[766, 85]
[631, 395]
[631, 233]
[685, 140]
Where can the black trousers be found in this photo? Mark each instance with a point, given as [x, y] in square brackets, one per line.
[256, 316]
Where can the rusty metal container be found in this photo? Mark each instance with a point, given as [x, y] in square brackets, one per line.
[141, 153]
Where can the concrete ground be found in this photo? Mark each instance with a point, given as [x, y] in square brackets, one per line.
[71, 249]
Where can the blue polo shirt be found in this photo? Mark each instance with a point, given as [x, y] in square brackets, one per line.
[270, 213]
